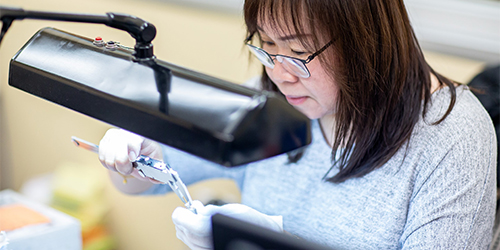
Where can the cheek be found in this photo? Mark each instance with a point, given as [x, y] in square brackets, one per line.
[321, 79]
[269, 73]
[325, 89]
[326, 97]
[330, 100]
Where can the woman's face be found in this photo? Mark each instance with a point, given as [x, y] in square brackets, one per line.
[314, 96]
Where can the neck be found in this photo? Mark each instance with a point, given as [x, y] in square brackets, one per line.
[326, 123]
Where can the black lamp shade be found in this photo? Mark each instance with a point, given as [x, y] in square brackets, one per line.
[208, 117]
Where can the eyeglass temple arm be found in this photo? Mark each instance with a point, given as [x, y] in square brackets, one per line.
[318, 52]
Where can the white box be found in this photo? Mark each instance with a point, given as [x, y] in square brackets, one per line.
[62, 232]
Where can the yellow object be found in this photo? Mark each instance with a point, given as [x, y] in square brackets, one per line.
[125, 177]
[78, 190]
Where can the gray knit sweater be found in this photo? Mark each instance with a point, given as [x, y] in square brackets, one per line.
[437, 193]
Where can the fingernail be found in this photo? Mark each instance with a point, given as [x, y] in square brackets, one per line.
[132, 156]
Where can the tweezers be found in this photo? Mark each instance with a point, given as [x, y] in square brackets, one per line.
[151, 168]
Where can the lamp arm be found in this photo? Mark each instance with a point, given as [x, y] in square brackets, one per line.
[142, 31]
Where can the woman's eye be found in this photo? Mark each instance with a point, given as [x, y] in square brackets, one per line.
[298, 53]
[267, 43]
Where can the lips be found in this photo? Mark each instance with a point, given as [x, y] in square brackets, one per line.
[296, 100]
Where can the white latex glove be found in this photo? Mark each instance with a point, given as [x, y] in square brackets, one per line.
[119, 148]
[195, 230]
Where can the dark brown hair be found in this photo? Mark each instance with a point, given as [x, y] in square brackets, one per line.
[382, 76]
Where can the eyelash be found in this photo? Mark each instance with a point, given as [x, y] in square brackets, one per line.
[299, 53]
[268, 43]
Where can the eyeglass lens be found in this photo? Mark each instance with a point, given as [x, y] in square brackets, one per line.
[263, 57]
[292, 65]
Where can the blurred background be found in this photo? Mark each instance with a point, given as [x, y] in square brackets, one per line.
[460, 38]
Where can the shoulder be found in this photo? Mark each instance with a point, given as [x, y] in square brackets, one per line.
[462, 144]
[467, 120]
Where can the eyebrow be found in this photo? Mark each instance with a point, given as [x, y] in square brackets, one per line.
[287, 37]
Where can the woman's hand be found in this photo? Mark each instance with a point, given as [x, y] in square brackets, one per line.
[119, 148]
[195, 230]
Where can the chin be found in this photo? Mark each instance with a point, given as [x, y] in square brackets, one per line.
[310, 114]
[314, 114]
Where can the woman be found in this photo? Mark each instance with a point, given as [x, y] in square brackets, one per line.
[401, 156]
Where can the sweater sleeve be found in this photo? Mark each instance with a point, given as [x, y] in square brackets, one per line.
[453, 204]
[192, 169]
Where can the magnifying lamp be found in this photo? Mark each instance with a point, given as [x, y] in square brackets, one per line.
[130, 88]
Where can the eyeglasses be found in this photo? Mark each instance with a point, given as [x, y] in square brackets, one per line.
[293, 65]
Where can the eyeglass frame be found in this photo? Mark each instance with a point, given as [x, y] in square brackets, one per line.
[303, 61]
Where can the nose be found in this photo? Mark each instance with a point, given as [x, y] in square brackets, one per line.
[279, 74]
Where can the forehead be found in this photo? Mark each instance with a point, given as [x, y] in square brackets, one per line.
[285, 30]
[283, 22]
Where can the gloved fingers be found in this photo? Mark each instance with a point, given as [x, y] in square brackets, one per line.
[110, 152]
[193, 229]
[133, 143]
[138, 145]
[193, 241]
[148, 148]
[198, 205]
[196, 224]
[118, 148]
[151, 149]
[278, 219]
